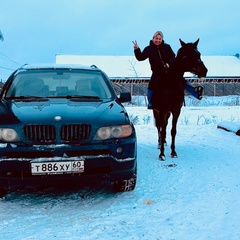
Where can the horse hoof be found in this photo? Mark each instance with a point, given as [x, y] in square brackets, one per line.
[174, 155]
[162, 158]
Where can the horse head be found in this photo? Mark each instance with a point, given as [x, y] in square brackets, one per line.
[190, 59]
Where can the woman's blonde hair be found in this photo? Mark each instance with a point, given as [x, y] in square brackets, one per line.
[158, 33]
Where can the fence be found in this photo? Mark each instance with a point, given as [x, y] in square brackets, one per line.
[212, 86]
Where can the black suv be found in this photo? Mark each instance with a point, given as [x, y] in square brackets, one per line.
[64, 124]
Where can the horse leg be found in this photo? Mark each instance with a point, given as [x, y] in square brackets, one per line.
[167, 117]
[160, 138]
[158, 125]
[173, 133]
[163, 137]
[161, 124]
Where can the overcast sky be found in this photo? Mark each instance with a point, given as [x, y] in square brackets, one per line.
[35, 31]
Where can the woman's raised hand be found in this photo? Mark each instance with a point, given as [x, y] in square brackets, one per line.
[135, 45]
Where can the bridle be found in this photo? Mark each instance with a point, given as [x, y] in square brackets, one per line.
[187, 62]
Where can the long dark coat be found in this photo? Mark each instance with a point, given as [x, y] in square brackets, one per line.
[156, 62]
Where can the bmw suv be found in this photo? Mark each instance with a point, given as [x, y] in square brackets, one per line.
[64, 124]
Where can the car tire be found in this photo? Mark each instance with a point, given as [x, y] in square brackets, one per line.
[126, 185]
[3, 192]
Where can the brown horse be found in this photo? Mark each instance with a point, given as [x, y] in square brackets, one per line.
[168, 97]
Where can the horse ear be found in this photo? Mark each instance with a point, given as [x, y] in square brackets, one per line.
[182, 43]
[196, 43]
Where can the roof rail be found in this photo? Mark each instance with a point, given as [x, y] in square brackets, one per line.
[25, 64]
[94, 66]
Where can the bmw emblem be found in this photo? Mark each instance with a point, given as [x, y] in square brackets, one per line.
[57, 118]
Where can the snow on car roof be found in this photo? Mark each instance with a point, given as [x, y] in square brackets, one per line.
[57, 66]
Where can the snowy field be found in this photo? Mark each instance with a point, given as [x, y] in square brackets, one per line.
[194, 196]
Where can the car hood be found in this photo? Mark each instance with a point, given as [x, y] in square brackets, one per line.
[62, 111]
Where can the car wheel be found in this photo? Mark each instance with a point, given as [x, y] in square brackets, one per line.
[3, 192]
[126, 185]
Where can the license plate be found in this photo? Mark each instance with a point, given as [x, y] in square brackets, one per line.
[45, 168]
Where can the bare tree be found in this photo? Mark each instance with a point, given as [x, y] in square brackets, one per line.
[136, 74]
[132, 68]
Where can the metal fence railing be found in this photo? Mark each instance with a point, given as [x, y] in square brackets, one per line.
[212, 86]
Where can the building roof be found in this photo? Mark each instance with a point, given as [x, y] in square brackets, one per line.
[129, 67]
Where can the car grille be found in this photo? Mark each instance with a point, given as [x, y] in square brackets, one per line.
[48, 133]
[75, 132]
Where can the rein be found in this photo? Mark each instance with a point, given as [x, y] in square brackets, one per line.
[160, 56]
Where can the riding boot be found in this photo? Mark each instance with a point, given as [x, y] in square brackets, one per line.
[149, 96]
[194, 91]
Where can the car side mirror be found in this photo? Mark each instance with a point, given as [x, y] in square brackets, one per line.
[125, 97]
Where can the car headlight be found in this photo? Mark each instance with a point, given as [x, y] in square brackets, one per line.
[8, 135]
[121, 131]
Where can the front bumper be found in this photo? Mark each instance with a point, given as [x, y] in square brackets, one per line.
[102, 162]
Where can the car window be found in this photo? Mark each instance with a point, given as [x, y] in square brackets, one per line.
[59, 83]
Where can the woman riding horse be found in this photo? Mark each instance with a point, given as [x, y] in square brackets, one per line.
[161, 58]
[168, 96]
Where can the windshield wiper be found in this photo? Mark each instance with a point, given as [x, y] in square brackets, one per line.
[26, 98]
[76, 97]
[82, 96]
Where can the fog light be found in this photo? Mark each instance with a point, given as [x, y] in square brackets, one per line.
[119, 150]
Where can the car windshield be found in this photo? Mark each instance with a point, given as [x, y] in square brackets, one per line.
[59, 83]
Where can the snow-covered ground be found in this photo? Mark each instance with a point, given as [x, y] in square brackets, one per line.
[194, 196]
